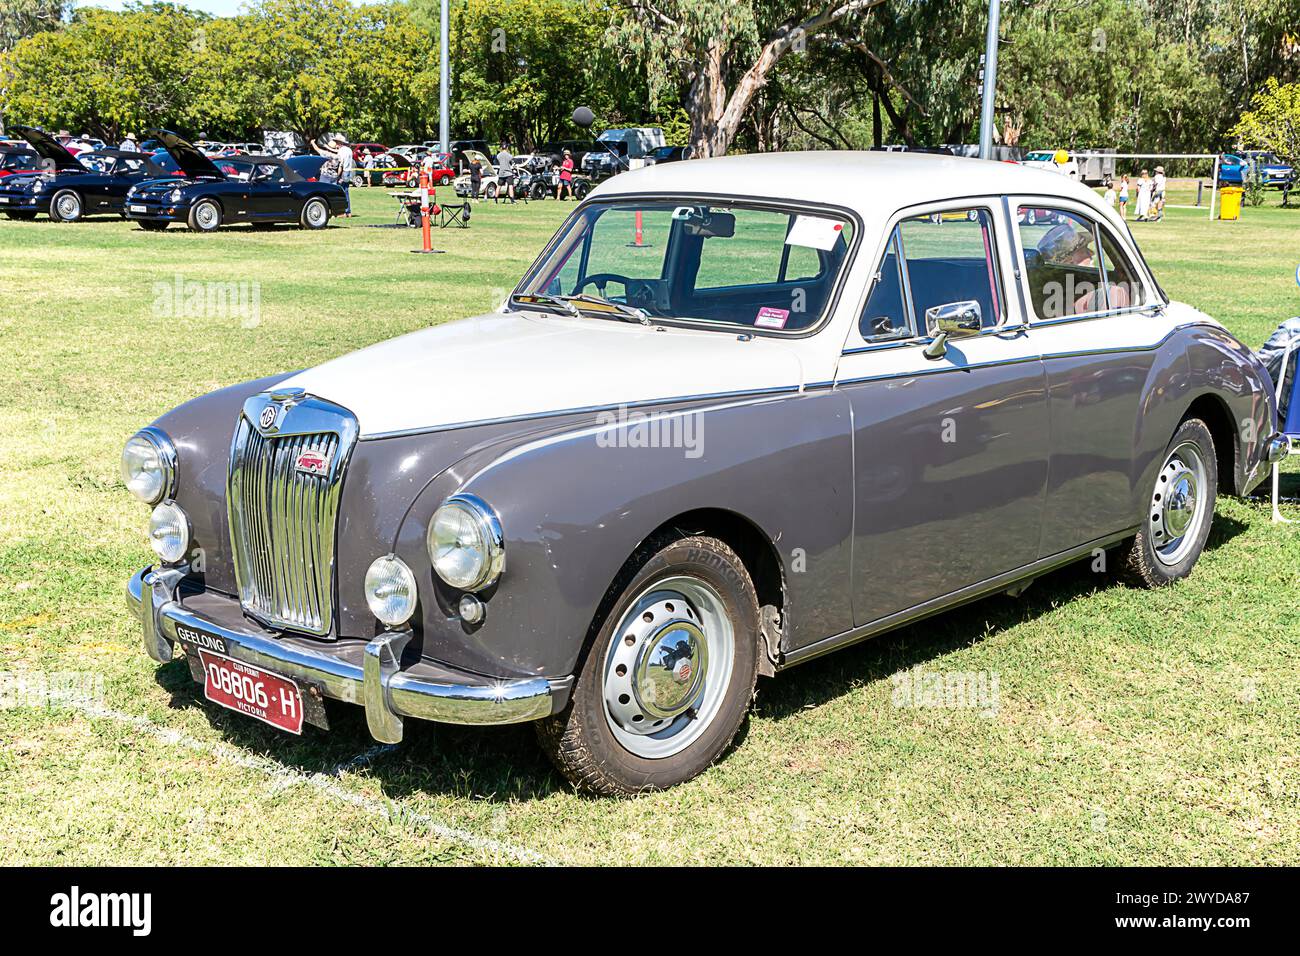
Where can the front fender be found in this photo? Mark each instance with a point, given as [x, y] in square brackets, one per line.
[575, 503]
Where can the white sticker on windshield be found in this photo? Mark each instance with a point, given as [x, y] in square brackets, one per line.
[814, 232]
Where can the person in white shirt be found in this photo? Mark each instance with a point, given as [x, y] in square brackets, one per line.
[346, 158]
[1158, 193]
[1123, 198]
[1110, 194]
[129, 145]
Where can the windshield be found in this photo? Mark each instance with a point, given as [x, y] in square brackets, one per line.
[693, 261]
[1039, 157]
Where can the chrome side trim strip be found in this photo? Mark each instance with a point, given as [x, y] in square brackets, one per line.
[585, 410]
[949, 601]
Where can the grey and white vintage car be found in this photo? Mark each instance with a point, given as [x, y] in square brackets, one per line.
[739, 413]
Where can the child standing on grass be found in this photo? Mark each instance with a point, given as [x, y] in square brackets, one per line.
[1110, 194]
[1123, 198]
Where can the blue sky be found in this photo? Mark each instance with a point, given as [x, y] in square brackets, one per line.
[218, 7]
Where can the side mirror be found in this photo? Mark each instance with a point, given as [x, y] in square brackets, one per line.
[952, 320]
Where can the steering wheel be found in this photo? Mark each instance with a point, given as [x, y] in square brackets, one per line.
[602, 279]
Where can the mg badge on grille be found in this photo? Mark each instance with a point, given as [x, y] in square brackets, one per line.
[312, 462]
[267, 418]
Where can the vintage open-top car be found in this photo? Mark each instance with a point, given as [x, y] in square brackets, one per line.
[739, 413]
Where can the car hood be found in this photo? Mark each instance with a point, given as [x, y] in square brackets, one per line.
[188, 157]
[521, 364]
[49, 148]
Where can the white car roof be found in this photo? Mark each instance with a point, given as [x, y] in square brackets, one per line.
[873, 184]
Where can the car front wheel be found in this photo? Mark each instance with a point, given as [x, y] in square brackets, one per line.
[670, 675]
[65, 206]
[1179, 512]
[315, 214]
[205, 217]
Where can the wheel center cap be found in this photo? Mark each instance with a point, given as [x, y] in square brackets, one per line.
[670, 669]
[1180, 505]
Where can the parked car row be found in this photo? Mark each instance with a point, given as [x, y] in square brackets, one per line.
[1240, 169]
[178, 184]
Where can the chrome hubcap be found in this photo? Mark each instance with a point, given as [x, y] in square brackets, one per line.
[668, 667]
[69, 207]
[315, 213]
[207, 216]
[1178, 504]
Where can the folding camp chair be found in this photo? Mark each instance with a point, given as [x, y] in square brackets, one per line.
[1287, 381]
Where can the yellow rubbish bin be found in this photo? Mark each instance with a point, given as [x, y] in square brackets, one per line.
[1230, 202]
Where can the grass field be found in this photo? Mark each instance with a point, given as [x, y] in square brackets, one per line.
[1129, 727]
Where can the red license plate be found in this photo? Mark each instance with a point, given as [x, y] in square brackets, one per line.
[270, 698]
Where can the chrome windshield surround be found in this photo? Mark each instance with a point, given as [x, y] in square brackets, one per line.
[287, 462]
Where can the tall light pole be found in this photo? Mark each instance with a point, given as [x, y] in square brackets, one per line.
[990, 81]
[444, 78]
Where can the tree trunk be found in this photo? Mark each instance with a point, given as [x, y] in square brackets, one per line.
[705, 102]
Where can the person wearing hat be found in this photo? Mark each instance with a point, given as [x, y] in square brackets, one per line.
[1158, 194]
[129, 145]
[341, 167]
[566, 177]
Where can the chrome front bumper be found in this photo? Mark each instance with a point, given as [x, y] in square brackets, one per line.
[377, 682]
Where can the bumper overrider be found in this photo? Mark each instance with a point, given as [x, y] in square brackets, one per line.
[376, 680]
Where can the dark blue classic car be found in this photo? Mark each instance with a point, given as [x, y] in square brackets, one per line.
[216, 191]
[69, 188]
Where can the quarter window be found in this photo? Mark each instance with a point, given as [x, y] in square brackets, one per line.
[886, 315]
[1122, 285]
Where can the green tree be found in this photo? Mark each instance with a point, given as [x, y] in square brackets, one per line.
[1273, 122]
[723, 51]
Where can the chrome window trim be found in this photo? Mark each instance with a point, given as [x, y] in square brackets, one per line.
[769, 202]
[1002, 254]
[1150, 302]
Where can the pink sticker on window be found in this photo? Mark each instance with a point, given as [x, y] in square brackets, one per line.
[769, 318]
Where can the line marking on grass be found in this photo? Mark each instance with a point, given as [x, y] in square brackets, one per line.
[324, 783]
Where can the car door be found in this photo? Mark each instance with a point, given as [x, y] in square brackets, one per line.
[950, 452]
[1098, 321]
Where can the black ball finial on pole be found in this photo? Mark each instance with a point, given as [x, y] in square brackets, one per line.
[583, 117]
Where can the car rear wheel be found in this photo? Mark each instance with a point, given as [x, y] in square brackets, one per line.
[670, 675]
[491, 191]
[444, 180]
[1180, 510]
[315, 214]
[205, 216]
[153, 225]
[65, 206]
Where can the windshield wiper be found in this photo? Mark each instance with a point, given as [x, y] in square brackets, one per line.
[629, 313]
[546, 299]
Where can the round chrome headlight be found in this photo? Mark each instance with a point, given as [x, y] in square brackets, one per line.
[390, 590]
[149, 465]
[38, 185]
[169, 532]
[174, 195]
[465, 543]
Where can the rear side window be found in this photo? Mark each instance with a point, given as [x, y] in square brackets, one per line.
[1062, 266]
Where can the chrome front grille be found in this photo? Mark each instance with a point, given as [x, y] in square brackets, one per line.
[286, 475]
